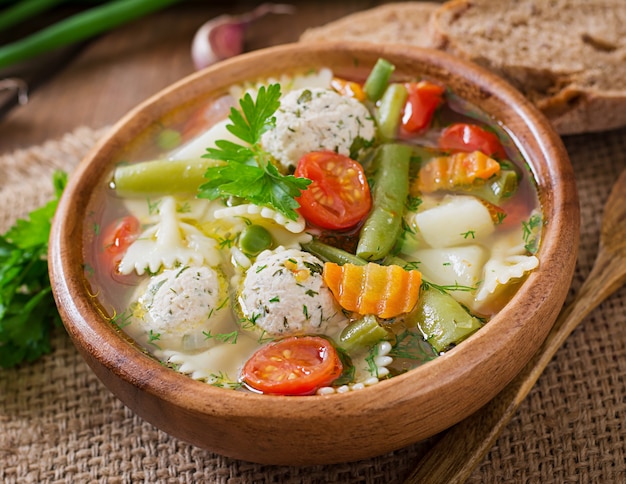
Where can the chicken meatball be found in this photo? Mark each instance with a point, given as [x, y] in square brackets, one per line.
[182, 307]
[316, 120]
[283, 293]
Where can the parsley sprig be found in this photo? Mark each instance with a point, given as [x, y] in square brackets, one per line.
[27, 309]
[249, 172]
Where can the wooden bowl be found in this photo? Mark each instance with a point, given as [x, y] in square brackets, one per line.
[337, 427]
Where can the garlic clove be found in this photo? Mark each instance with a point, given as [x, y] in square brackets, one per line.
[223, 36]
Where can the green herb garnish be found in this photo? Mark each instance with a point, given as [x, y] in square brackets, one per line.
[531, 233]
[81, 26]
[27, 309]
[223, 337]
[249, 172]
[449, 287]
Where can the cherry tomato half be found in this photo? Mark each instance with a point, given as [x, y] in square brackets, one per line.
[339, 196]
[116, 239]
[470, 137]
[423, 98]
[297, 365]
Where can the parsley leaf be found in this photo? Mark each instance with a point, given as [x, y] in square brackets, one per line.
[27, 309]
[249, 172]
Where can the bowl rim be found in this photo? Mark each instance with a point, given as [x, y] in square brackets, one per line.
[97, 338]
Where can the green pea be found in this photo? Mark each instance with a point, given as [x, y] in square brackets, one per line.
[255, 239]
[168, 139]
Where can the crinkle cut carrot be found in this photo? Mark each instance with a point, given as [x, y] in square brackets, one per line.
[459, 169]
[385, 291]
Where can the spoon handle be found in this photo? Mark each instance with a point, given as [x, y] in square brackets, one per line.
[459, 451]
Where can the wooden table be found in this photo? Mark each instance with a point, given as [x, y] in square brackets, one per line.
[121, 68]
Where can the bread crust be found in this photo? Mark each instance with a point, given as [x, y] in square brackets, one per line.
[567, 56]
[406, 22]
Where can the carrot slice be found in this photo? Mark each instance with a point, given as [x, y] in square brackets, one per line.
[459, 169]
[385, 291]
[348, 88]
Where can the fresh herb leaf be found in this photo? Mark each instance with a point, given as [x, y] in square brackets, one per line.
[410, 345]
[371, 361]
[358, 145]
[531, 233]
[27, 309]
[413, 203]
[249, 172]
[449, 287]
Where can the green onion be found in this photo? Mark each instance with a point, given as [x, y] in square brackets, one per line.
[79, 27]
[26, 9]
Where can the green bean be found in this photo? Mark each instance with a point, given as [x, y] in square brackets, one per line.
[391, 187]
[390, 110]
[79, 27]
[502, 187]
[494, 190]
[377, 81]
[254, 239]
[24, 10]
[328, 253]
[442, 320]
[362, 333]
[161, 177]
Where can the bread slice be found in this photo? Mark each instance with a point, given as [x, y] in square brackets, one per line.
[567, 56]
[405, 22]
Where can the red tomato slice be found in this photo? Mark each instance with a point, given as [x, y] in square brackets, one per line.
[116, 239]
[470, 137]
[297, 365]
[423, 98]
[339, 196]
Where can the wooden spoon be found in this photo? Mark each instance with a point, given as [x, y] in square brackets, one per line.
[454, 457]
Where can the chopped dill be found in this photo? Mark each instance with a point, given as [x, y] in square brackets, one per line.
[448, 287]
[530, 233]
[223, 337]
[122, 320]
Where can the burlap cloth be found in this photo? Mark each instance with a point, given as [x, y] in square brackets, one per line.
[58, 423]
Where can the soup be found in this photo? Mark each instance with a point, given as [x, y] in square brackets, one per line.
[312, 234]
